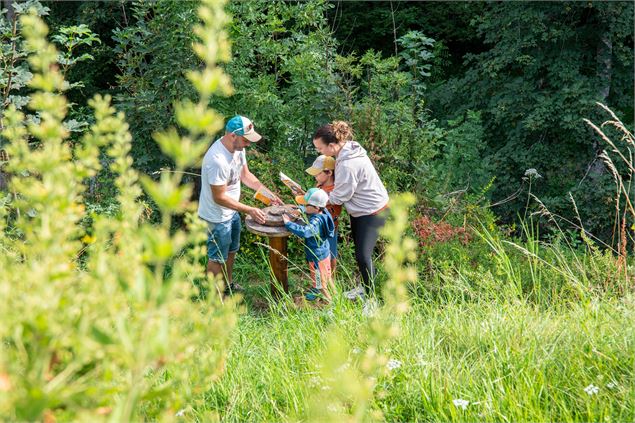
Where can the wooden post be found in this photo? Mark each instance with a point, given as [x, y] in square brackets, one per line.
[277, 255]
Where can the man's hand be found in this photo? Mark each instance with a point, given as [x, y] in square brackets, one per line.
[257, 214]
[285, 218]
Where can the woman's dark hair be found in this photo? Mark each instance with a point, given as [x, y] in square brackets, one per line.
[334, 133]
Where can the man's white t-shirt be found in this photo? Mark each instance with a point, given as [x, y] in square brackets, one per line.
[219, 167]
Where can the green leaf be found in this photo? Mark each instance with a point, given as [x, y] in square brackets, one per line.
[184, 151]
[101, 336]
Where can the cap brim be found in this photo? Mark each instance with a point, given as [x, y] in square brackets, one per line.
[300, 199]
[253, 136]
[313, 171]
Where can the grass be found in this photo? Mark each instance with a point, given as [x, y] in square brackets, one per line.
[511, 354]
[499, 329]
[511, 361]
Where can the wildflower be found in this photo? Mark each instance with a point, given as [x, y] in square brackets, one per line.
[343, 367]
[180, 413]
[592, 389]
[532, 173]
[393, 364]
[611, 385]
[370, 308]
[460, 403]
[356, 350]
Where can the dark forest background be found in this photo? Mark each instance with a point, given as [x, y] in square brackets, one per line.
[471, 103]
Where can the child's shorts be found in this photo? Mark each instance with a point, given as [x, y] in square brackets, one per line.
[321, 273]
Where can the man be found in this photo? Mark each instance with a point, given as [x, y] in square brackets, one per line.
[224, 168]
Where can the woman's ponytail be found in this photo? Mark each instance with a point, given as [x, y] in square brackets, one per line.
[334, 133]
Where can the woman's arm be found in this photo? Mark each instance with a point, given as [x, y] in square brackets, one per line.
[345, 185]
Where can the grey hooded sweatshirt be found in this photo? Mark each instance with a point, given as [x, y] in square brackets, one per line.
[357, 184]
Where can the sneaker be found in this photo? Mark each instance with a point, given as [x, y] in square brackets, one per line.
[233, 288]
[355, 293]
[313, 294]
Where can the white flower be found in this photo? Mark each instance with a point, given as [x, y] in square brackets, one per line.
[592, 389]
[180, 413]
[370, 308]
[460, 403]
[533, 173]
[333, 408]
[356, 350]
[421, 359]
[393, 364]
[611, 385]
[343, 367]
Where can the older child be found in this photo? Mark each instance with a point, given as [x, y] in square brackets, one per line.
[319, 228]
[323, 170]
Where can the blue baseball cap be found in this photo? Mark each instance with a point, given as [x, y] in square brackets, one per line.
[240, 125]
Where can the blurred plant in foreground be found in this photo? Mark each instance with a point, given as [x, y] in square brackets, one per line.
[100, 323]
[351, 377]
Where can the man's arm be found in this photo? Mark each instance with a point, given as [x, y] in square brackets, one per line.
[250, 180]
[219, 194]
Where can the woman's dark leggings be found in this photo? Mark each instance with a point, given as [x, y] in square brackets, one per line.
[365, 231]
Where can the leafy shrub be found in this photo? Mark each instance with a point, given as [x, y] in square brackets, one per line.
[115, 334]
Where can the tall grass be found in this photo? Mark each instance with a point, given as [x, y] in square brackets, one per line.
[502, 329]
[512, 362]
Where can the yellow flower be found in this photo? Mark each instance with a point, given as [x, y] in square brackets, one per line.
[88, 239]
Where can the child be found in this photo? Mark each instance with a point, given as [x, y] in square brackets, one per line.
[319, 228]
[323, 170]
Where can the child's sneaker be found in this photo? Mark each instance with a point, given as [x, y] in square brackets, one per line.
[313, 294]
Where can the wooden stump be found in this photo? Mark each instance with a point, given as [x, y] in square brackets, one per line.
[278, 260]
[277, 237]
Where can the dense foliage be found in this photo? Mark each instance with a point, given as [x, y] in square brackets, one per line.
[497, 89]
[512, 298]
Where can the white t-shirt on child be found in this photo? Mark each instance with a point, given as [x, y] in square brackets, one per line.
[219, 167]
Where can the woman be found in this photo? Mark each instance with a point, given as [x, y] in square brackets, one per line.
[359, 189]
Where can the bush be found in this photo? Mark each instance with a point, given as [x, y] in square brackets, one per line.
[115, 334]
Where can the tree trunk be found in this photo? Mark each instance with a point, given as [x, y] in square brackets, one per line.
[4, 177]
[604, 58]
[8, 4]
[605, 65]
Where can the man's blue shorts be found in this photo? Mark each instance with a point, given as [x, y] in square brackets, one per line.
[223, 238]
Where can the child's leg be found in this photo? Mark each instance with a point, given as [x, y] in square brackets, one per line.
[324, 269]
[316, 278]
